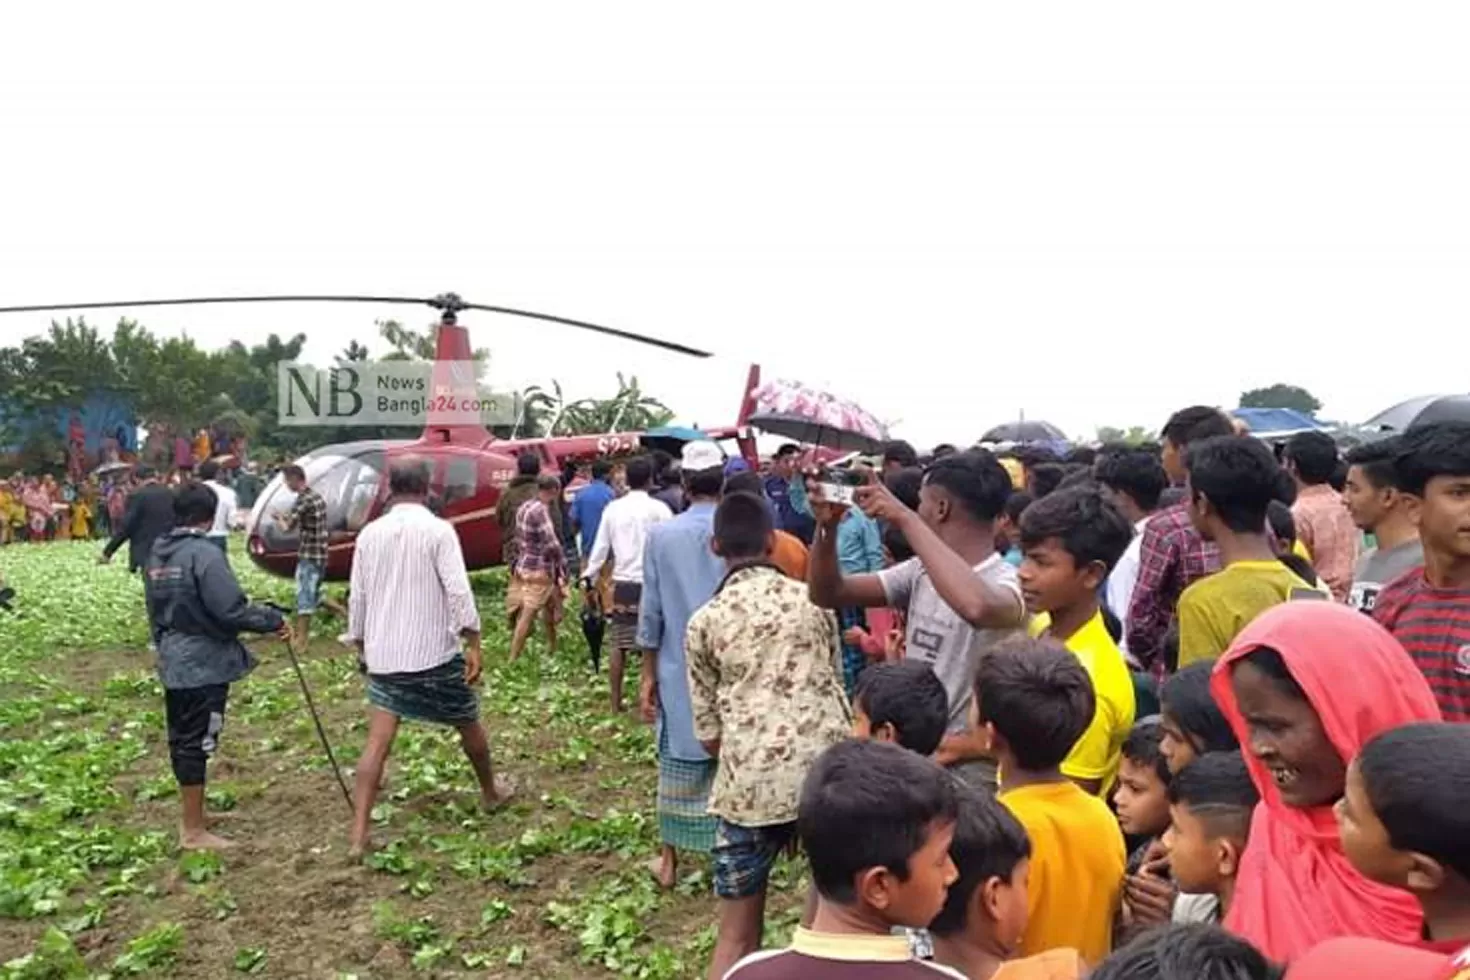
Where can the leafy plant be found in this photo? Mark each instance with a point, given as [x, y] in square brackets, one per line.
[250, 959]
[155, 949]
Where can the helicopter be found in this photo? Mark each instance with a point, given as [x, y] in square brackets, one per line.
[469, 467]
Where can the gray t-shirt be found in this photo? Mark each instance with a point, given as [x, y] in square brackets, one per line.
[937, 635]
[1379, 567]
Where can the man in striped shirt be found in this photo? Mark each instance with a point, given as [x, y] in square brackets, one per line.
[1428, 609]
[410, 608]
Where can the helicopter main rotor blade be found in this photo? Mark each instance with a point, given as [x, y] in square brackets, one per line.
[205, 300]
[595, 328]
[437, 303]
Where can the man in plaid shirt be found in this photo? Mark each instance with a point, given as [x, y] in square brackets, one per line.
[538, 575]
[309, 518]
[1172, 555]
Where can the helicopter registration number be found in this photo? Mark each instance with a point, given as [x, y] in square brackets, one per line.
[611, 445]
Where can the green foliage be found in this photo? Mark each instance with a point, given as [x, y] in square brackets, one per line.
[250, 959]
[552, 886]
[1281, 396]
[54, 958]
[155, 949]
[548, 412]
[1133, 436]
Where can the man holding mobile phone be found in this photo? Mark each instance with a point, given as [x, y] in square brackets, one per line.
[961, 598]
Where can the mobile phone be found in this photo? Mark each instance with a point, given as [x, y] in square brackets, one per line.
[838, 486]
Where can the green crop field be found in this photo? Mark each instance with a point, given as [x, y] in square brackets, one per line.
[92, 883]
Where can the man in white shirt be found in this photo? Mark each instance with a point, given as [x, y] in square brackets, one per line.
[224, 508]
[622, 533]
[1132, 479]
[410, 606]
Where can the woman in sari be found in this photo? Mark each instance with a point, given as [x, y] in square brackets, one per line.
[37, 503]
[1305, 686]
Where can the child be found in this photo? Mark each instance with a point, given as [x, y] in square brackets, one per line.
[766, 697]
[1428, 609]
[1232, 481]
[1142, 796]
[901, 702]
[984, 917]
[1192, 723]
[1191, 952]
[1033, 703]
[876, 824]
[1404, 823]
[81, 517]
[1008, 528]
[1072, 539]
[1210, 805]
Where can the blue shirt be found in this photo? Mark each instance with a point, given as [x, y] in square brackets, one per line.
[859, 546]
[788, 497]
[587, 508]
[680, 574]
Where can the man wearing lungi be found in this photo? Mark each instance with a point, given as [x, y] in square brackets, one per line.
[410, 606]
[680, 573]
[621, 535]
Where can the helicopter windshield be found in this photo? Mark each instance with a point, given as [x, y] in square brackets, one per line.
[349, 485]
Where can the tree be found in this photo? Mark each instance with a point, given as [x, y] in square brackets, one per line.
[1281, 396]
[1135, 435]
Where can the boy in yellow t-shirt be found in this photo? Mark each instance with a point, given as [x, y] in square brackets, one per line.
[1033, 701]
[1232, 481]
[1071, 539]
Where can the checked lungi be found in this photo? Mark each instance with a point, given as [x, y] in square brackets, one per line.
[623, 617]
[684, 821]
[438, 695]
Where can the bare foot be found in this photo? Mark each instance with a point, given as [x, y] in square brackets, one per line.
[663, 870]
[203, 840]
[357, 850]
[505, 791]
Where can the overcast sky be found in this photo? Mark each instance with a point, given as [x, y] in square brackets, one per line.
[1096, 213]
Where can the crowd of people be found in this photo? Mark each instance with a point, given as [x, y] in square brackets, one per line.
[1193, 710]
[1158, 711]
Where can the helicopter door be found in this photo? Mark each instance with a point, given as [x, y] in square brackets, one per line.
[464, 505]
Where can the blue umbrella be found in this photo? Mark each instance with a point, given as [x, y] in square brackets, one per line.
[671, 437]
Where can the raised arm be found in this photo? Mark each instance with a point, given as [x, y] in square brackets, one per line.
[826, 585]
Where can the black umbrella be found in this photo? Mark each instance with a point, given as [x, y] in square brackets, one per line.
[1025, 431]
[593, 628]
[1421, 411]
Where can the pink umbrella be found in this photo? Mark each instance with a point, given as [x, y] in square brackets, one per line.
[820, 418]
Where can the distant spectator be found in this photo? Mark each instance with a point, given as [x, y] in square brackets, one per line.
[1323, 524]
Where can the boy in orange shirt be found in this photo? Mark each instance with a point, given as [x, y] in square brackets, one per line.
[1033, 700]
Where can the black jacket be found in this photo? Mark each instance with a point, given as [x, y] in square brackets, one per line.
[196, 612]
[149, 515]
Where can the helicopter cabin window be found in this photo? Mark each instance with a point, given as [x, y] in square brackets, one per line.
[459, 480]
[363, 490]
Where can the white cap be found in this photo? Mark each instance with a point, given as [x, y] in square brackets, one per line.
[700, 455]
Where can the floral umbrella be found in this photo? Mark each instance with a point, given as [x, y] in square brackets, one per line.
[809, 415]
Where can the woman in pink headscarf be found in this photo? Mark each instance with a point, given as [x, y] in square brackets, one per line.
[1305, 686]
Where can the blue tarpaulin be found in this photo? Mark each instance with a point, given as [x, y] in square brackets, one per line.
[1266, 423]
